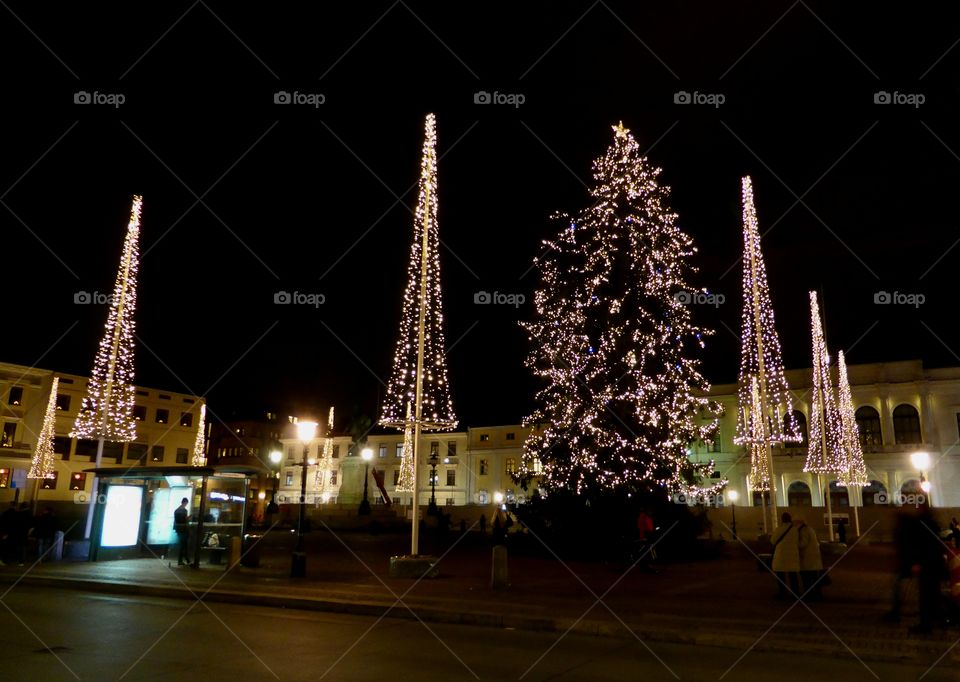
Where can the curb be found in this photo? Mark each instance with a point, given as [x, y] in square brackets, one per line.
[890, 649]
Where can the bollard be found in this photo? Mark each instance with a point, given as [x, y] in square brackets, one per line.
[234, 552]
[498, 573]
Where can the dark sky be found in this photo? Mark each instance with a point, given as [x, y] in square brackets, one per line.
[297, 198]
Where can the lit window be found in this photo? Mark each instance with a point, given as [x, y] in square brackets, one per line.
[16, 395]
[163, 416]
[50, 482]
[382, 450]
[399, 452]
[63, 402]
[511, 465]
[289, 478]
[484, 466]
[139, 413]
[9, 434]
[78, 481]
[484, 437]
[333, 477]
[156, 454]
[186, 419]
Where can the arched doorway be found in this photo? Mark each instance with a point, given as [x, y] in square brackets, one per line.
[911, 487]
[875, 492]
[839, 497]
[798, 495]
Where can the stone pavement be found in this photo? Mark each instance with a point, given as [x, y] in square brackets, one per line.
[722, 602]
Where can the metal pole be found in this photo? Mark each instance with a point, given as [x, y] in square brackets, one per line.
[303, 497]
[418, 409]
[733, 508]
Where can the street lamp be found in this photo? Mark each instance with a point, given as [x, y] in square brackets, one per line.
[432, 507]
[921, 462]
[367, 454]
[732, 495]
[305, 433]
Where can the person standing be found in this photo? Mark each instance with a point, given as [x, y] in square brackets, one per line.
[44, 529]
[786, 556]
[811, 562]
[181, 525]
[928, 563]
[22, 524]
[955, 532]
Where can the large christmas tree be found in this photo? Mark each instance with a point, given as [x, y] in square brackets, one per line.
[614, 342]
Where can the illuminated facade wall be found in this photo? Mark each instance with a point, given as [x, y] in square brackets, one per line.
[166, 430]
[891, 389]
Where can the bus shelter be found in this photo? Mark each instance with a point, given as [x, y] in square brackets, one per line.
[134, 510]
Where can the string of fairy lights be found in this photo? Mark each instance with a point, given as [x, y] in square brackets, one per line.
[856, 468]
[825, 454]
[41, 466]
[436, 404]
[107, 408]
[760, 355]
[199, 444]
[759, 478]
[623, 398]
[405, 477]
[325, 461]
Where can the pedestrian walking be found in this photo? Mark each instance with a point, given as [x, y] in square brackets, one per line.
[842, 531]
[811, 561]
[786, 556]
[483, 524]
[181, 525]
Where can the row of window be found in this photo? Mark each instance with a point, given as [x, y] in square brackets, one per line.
[115, 451]
[906, 426]
[15, 397]
[332, 477]
[77, 481]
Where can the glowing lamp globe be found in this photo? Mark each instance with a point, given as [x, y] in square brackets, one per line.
[925, 486]
[920, 460]
[276, 456]
[732, 495]
[306, 431]
[367, 454]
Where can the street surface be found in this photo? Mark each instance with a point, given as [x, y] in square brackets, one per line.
[52, 634]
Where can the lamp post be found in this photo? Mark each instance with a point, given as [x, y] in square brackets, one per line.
[921, 462]
[432, 507]
[732, 495]
[298, 565]
[367, 455]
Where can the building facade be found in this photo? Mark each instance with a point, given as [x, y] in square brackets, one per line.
[900, 408]
[167, 424]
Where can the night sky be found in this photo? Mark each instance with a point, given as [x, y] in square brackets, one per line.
[244, 197]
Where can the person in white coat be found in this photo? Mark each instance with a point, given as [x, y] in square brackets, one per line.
[786, 556]
[811, 563]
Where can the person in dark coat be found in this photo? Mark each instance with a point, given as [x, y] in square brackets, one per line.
[23, 522]
[928, 563]
[181, 525]
[44, 529]
[7, 523]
